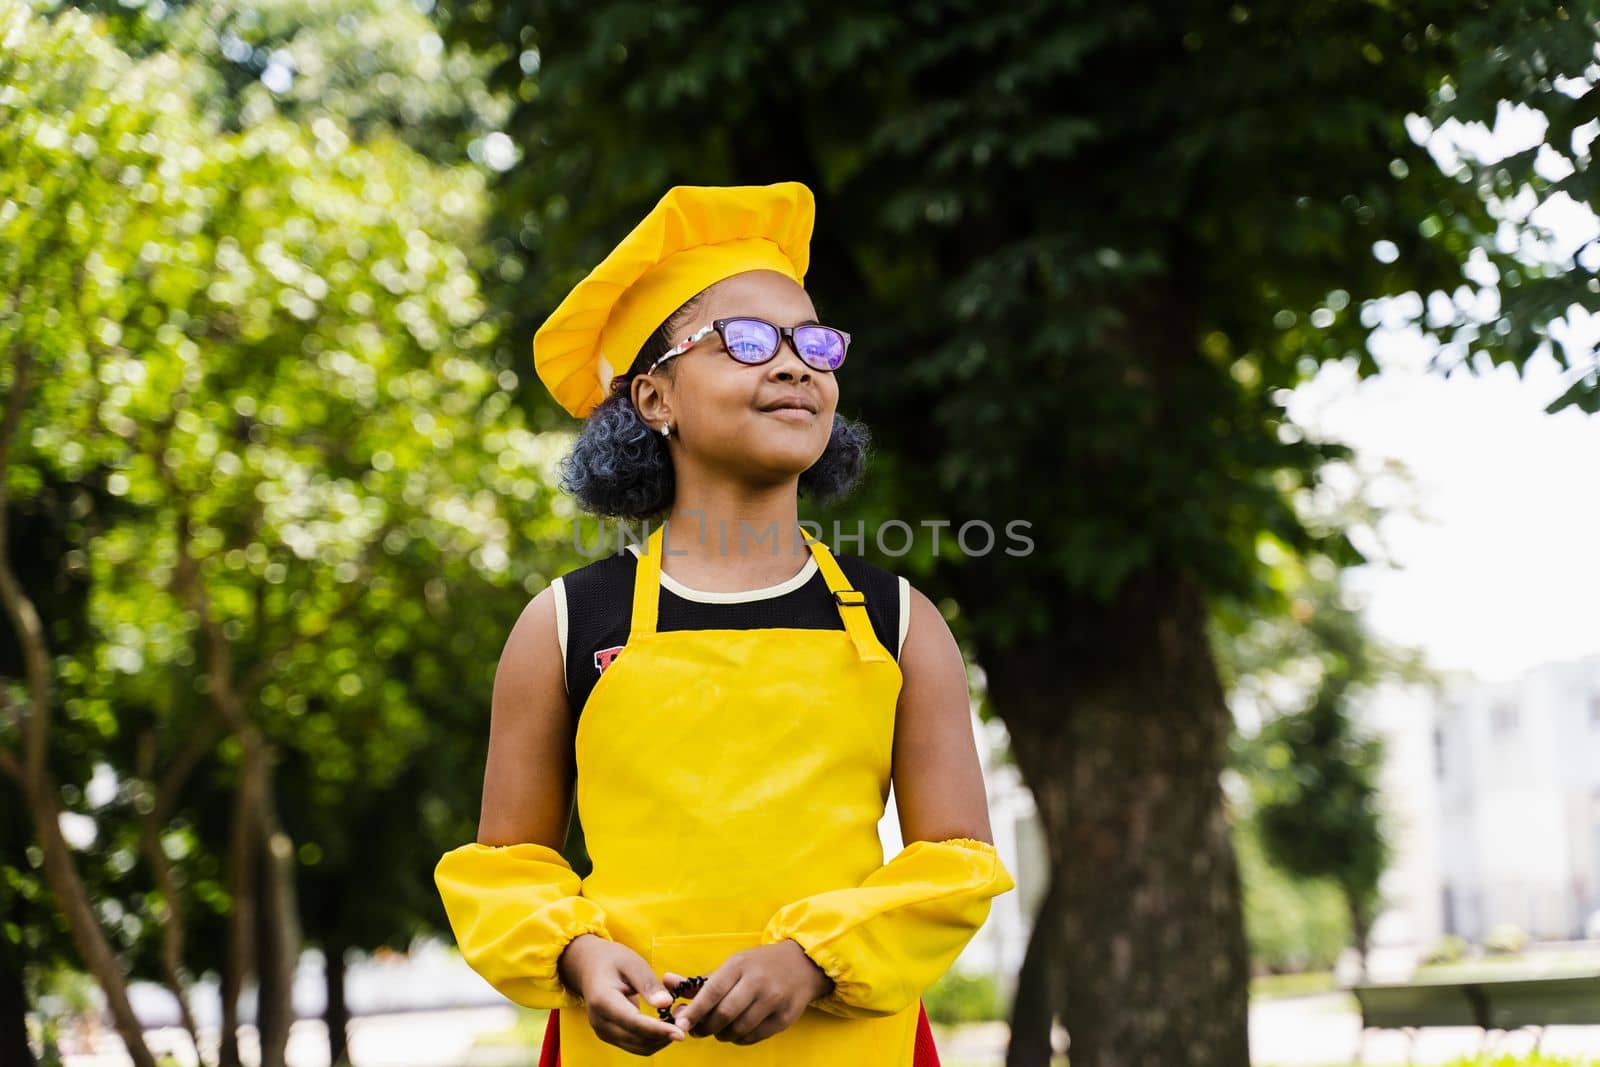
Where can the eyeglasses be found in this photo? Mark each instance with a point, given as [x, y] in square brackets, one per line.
[754, 341]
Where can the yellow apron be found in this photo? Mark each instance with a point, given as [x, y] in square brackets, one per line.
[722, 774]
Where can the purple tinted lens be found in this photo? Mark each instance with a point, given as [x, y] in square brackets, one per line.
[750, 341]
[820, 346]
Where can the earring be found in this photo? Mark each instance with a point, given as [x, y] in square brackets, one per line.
[666, 429]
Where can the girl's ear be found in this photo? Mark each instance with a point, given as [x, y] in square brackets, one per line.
[647, 397]
[648, 400]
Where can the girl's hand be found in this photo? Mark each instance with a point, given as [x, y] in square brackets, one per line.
[609, 975]
[754, 994]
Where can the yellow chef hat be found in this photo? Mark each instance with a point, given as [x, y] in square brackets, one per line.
[695, 235]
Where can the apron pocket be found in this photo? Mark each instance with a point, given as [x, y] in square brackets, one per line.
[815, 1038]
[692, 954]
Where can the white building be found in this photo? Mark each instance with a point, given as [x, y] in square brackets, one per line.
[1493, 797]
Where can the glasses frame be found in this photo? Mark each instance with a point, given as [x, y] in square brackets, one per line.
[785, 333]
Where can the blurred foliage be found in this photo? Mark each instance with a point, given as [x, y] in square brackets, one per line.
[378, 68]
[262, 348]
[1309, 833]
[1314, 774]
[1450, 948]
[1296, 984]
[1268, 654]
[33, 936]
[963, 998]
[1120, 214]
[1506, 939]
[1292, 923]
[526, 1031]
[1521, 293]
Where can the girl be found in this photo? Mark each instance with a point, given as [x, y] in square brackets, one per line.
[721, 701]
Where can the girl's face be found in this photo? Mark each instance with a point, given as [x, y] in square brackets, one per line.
[721, 410]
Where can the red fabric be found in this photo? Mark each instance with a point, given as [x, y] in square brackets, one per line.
[550, 1054]
[925, 1055]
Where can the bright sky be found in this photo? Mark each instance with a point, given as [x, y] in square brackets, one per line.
[1502, 571]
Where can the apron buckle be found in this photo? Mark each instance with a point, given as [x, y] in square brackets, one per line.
[839, 598]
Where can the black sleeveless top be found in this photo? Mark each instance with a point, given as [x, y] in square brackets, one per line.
[594, 607]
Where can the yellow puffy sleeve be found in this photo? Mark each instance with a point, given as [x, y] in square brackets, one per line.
[887, 940]
[513, 909]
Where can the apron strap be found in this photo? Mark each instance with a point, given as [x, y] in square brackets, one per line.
[647, 585]
[852, 603]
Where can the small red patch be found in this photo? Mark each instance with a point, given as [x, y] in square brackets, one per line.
[603, 658]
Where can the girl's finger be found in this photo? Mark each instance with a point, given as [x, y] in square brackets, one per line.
[620, 1011]
[714, 1007]
[744, 1029]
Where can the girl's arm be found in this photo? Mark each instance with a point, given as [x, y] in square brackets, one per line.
[513, 901]
[885, 941]
[527, 781]
[938, 780]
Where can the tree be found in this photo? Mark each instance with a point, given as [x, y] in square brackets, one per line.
[1085, 251]
[299, 515]
[1293, 925]
[1301, 667]
[1317, 802]
[34, 940]
[1312, 771]
[376, 67]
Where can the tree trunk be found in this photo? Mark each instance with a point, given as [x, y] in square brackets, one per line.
[32, 771]
[14, 1048]
[1119, 726]
[1033, 1008]
[169, 908]
[271, 1024]
[243, 851]
[171, 918]
[228, 1027]
[1360, 926]
[337, 1016]
[61, 875]
[279, 919]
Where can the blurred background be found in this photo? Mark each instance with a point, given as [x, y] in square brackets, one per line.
[1275, 321]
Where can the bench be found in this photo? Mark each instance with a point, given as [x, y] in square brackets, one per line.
[1495, 1004]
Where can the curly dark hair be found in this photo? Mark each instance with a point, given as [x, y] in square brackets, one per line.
[620, 467]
